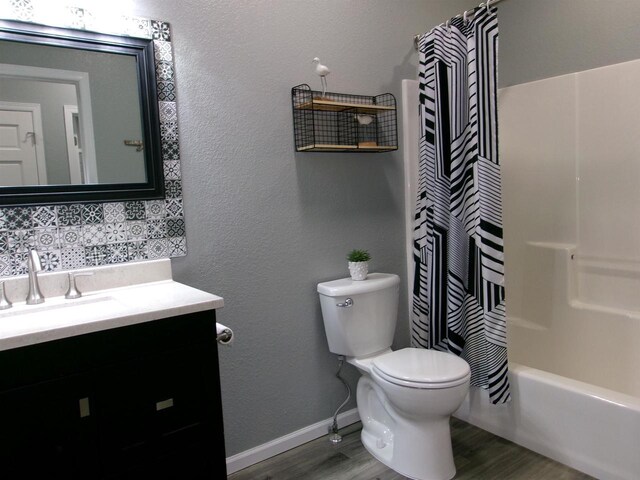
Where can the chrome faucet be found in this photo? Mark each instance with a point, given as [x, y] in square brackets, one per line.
[34, 296]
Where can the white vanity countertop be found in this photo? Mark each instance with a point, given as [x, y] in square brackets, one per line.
[115, 296]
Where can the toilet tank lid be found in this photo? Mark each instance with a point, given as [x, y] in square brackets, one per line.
[347, 286]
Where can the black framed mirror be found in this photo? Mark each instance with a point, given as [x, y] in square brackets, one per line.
[109, 148]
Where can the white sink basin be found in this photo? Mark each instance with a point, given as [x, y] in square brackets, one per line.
[57, 313]
[50, 305]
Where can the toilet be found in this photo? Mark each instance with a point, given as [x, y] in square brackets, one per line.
[405, 397]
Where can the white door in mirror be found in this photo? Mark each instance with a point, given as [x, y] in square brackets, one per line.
[18, 154]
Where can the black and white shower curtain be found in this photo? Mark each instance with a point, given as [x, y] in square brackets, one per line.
[458, 294]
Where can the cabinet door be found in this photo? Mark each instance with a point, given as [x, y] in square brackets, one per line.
[124, 416]
[48, 430]
[155, 415]
[183, 409]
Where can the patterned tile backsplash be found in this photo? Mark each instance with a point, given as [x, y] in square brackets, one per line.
[81, 235]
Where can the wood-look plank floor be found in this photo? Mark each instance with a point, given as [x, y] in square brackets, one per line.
[478, 455]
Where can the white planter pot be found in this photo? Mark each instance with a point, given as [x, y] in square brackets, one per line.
[358, 270]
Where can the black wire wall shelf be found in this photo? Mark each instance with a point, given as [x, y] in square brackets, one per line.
[340, 122]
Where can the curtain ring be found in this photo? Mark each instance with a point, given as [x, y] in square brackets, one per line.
[465, 20]
[488, 3]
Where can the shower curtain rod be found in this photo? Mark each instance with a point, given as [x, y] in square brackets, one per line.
[466, 15]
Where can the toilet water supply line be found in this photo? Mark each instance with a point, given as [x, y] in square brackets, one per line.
[334, 436]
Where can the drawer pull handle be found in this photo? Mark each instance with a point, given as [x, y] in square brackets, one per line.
[83, 403]
[168, 403]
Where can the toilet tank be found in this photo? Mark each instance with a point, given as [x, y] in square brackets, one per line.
[368, 325]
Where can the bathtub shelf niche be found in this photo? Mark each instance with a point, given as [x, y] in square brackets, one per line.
[340, 122]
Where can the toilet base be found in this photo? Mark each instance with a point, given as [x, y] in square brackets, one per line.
[418, 448]
[429, 459]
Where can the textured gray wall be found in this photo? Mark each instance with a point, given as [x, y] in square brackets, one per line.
[546, 38]
[265, 225]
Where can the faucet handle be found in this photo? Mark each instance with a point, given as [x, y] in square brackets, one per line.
[73, 291]
[4, 301]
[34, 266]
[34, 259]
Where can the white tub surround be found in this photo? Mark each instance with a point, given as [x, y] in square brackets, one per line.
[564, 330]
[114, 296]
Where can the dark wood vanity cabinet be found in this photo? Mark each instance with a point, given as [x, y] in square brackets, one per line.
[141, 401]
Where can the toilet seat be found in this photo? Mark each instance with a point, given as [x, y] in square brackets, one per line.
[421, 368]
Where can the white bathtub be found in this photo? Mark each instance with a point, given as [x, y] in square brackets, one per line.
[575, 374]
[592, 429]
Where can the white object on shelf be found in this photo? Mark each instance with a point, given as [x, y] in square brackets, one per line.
[363, 119]
[323, 71]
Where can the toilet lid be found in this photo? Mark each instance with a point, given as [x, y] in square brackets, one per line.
[421, 368]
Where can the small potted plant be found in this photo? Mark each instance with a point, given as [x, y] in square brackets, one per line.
[358, 264]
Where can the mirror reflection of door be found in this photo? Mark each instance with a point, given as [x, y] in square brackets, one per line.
[22, 159]
[53, 89]
[77, 171]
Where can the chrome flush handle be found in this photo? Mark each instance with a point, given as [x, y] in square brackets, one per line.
[347, 303]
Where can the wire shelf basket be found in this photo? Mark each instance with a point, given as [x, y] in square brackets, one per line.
[341, 122]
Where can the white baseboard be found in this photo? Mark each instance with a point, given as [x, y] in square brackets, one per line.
[274, 447]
